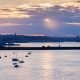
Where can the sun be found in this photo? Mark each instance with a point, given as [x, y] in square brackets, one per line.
[50, 23]
[47, 20]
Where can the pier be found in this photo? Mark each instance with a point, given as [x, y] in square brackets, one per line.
[40, 48]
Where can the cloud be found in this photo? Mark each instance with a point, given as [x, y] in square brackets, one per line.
[30, 18]
[29, 10]
[12, 13]
[71, 3]
[74, 23]
[9, 24]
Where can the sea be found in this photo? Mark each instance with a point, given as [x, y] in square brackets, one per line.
[41, 64]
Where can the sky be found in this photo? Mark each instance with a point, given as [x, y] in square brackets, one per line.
[19, 2]
[40, 17]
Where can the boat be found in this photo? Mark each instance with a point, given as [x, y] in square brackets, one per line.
[5, 56]
[43, 46]
[21, 61]
[14, 63]
[15, 59]
[29, 53]
[16, 66]
[26, 56]
[0, 57]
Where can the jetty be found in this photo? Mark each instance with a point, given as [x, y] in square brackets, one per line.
[40, 48]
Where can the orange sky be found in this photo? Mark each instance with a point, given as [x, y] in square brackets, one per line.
[18, 2]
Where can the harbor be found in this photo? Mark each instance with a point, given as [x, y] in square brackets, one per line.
[40, 65]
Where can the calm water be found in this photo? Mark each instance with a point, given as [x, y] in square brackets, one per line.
[67, 44]
[41, 65]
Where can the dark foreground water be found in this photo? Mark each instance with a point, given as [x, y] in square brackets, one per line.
[41, 65]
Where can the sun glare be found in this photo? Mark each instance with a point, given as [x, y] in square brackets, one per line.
[50, 23]
[47, 20]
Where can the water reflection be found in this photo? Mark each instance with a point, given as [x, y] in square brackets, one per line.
[47, 59]
[67, 44]
[41, 65]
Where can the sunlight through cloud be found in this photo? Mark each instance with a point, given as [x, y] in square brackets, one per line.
[50, 23]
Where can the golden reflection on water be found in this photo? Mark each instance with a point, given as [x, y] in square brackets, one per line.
[48, 58]
[47, 64]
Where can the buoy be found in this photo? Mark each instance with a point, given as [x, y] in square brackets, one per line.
[29, 53]
[13, 52]
[5, 56]
[26, 56]
[0, 57]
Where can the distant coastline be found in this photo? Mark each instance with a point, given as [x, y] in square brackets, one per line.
[25, 39]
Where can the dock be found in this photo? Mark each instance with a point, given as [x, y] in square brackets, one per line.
[39, 48]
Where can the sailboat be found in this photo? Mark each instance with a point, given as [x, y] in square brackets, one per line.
[15, 61]
[16, 66]
[29, 53]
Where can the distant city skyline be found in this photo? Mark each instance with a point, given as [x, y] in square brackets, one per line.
[40, 17]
